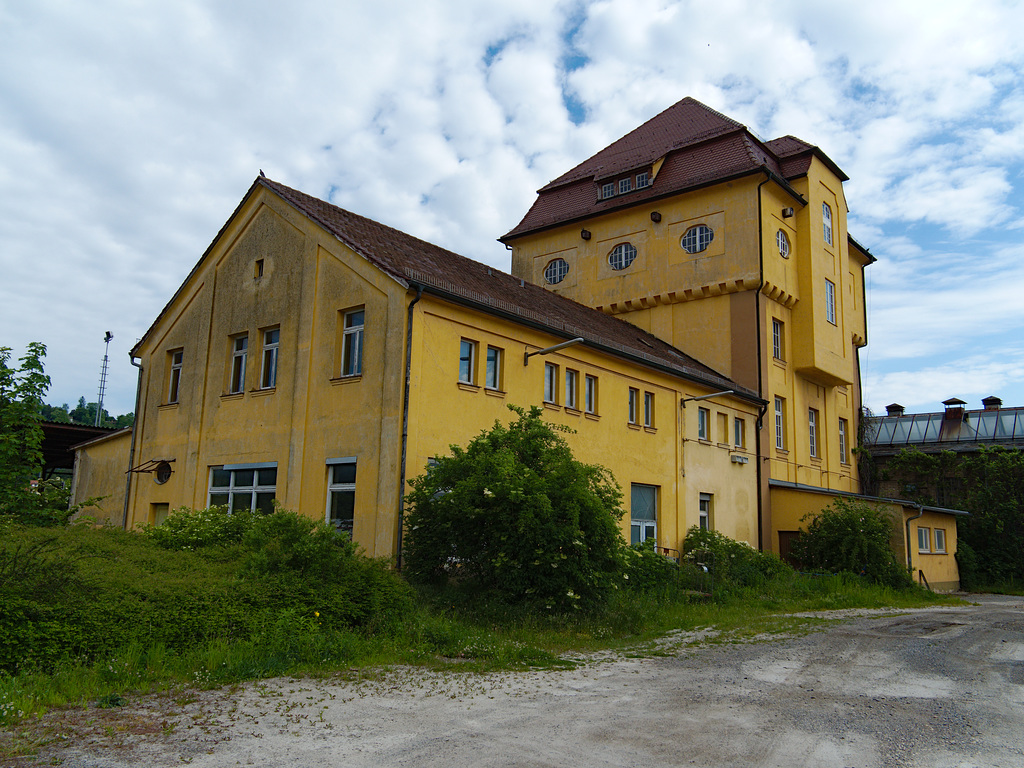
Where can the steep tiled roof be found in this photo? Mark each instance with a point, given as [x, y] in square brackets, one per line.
[700, 147]
[412, 261]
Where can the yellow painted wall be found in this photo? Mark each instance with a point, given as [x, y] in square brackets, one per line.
[100, 473]
[939, 568]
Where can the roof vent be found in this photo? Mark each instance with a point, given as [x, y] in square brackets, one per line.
[954, 408]
[894, 409]
[992, 403]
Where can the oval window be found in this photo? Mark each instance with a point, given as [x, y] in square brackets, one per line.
[556, 270]
[162, 473]
[783, 242]
[697, 238]
[622, 255]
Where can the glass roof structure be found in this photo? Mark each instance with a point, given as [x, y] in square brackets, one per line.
[1004, 425]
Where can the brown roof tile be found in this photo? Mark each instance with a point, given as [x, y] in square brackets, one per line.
[413, 261]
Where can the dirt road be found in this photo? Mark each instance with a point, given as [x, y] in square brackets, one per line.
[934, 687]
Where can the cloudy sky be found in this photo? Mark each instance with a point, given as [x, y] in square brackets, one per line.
[129, 131]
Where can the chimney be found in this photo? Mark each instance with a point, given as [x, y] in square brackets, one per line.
[952, 419]
[894, 409]
[992, 403]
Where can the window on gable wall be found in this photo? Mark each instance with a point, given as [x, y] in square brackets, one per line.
[268, 375]
[352, 343]
[239, 351]
[174, 379]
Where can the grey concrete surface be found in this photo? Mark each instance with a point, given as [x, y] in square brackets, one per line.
[938, 687]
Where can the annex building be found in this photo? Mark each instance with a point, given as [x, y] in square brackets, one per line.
[706, 279]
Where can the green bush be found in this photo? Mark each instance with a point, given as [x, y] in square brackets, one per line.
[645, 569]
[852, 536]
[516, 517]
[185, 529]
[733, 561]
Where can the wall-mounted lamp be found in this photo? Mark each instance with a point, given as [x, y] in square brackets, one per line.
[585, 234]
[685, 400]
[655, 217]
[546, 350]
[787, 213]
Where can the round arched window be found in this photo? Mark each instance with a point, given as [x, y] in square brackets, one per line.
[162, 473]
[782, 240]
[622, 255]
[697, 238]
[556, 270]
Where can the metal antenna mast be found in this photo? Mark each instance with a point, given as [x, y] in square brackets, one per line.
[103, 377]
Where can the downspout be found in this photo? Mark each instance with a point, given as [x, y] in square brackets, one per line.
[760, 373]
[405, 427]
[920, 514]
[131, 449]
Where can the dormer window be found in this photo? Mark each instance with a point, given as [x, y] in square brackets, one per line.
[625, 185]
[642, 180]
[608, 190]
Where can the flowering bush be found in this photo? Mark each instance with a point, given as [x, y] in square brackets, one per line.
[732, 560]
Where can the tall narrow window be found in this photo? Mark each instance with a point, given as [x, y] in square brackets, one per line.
[843, 457]
[780, 423]
[703, 424]
[705, 512]
[174, 380]
[940, 540]
[590, 394]
[643, 513]
[778, 338]
[830, 301]
[826, 219]
[268, 376]
[239, 351]
[812, 431]
[739, 432]
[571, 384]
[352, 343]
[634, 404]
[550, 383]
[341, 494]
[648, 409]
[492, 376]
[923, 539]
[467, 361]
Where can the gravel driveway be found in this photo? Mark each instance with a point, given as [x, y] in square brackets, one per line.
[933, 687]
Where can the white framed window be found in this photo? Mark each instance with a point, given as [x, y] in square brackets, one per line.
[175, 358]
[492, 374]
[939, 535]
[244, 487]
[648, 409]
[622, 255]
[830, 301]
[555, 271]
[812, 431]
[780, 423]
[625, 185]
[341, 494]
[608, 190]
[643, 513]
[739, 432]
[634, 405]
[778, 339]
[239, 351]
[843, 428]
[572, 379]
[705, 512]
[697, 239]
[550, 383]
[590, 394]
[467, 361]
[703, 424]
[268, 374]
[643, 179]
[923, 539]
[782, 242]
[826, 220]
[352, 343]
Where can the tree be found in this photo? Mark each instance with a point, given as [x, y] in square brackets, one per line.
[21, 437]
[852, 536]
[516, 516]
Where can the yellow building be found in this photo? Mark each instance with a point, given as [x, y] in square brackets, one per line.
[319, 359]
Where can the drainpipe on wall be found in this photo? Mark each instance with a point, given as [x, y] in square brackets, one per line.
[405, 427]
[760, 375]
[131, 450]
[920, 514]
